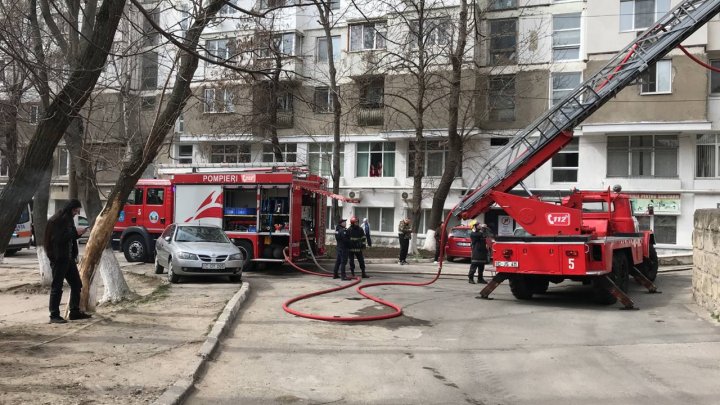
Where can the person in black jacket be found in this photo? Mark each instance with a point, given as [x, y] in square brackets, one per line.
[479, 251]
[62, 249]
[342, 241]
[357, 244]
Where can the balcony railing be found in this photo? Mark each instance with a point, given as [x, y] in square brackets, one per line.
[284, 120]
[370, 117]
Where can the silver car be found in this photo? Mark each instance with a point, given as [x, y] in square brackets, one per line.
[197, 250]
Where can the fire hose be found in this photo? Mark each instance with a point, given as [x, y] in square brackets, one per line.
[397, 309]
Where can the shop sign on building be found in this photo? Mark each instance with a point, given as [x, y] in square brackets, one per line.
[657, 204]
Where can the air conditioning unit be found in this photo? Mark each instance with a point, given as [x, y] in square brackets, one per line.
[355, 194]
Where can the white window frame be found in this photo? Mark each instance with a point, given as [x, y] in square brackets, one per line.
[557, 94]
[323, 153]
[438, 32]
[386, 152]
[559, 34]
[180, 124]
[289, 152]
[182, 156]
[498, 95]
[630, 149]
[651, 221]
[285, 102]
[328, 106]
[441, 149]
[213, 105]
[63, 167]
[495, 56]
[628, 15]
[661, 69]
[379, 33]
[712, 144]
[495, 5]
[382, 220]
[240, 152]
[572, 148]
[218, 49]
[209, 101]
[34, 114]
[320, 58]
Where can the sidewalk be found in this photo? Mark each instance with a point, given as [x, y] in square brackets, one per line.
[168, 329]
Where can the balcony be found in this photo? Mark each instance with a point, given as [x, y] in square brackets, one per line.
[284, 120]
[370, 117]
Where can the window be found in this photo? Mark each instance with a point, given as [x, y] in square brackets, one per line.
[185, 154]
[135, 197]
[663, 226]
[184, 18]
[379, 219]
[501, 98]
[502, 4]
[425, 219]
[375, 159]
[640, 14]
[147, 102]
[280, 44]
[368, 36]
[706, 156]
[642, 156]
[219, 49]
[62, 164]
[34, 114]
[155, 196]
[149, 71]
[4, 165]
[565, 163]
[322, 49]
[180, 124]
[658, 78]
[218, 100]
[289, 152]
[150, 34]
[323, 100]
[715, 78]
[285, 103]
[503, 40]
[239, 153]
[498, 141]
[334, 4]
[437, 32]
[265, 4]
[566, 36]
[563, 84]
[228, 8]
[371, 94]
[320, 158]
[436, 153]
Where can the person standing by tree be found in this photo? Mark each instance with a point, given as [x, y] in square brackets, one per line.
[438, 239]
[404, 235]
[62, 249]
[366, 228]
[479, 251]
[341, 240]
[357, 244]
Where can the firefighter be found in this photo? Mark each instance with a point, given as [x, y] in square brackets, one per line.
[342, 241]
[357, 244]
[479, 251]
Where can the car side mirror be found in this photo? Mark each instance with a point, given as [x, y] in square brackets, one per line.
[167, 239]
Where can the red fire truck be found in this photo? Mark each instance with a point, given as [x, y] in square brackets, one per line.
[261, 210]
[590, 236]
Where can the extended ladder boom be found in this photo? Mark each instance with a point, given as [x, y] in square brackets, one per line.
[542, 139]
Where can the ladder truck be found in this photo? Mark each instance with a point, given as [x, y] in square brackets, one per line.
[591, 237]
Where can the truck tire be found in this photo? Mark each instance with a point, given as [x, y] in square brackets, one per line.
[521, 287]
[650, 265]
[134, 249]
[620, 275]
[11, 252]
[540, 285]
[246, 248]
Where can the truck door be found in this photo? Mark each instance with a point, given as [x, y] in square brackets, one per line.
[154, 216]
[132, 212]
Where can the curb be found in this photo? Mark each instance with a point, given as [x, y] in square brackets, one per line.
[177, 392]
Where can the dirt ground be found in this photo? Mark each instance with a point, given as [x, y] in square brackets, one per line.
[127, 353]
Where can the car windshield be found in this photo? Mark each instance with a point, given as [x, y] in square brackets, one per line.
[201, 234]
[460, 233]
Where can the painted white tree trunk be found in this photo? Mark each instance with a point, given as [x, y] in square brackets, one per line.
[2, 258]
[116, 289]
[413, 249]
[44, 267]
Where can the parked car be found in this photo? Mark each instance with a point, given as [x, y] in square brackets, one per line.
[81, 224]
[458, 243]
[197, 250]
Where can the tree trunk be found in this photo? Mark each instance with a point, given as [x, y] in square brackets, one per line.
[140, 159]
[67, 104]
[40, 217]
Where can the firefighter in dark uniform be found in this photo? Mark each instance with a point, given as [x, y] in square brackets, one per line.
[479, 251]
[342, 241]
[357, 244]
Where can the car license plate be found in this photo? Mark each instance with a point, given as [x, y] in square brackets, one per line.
[463, 244]
[506, 264]
[213, 266]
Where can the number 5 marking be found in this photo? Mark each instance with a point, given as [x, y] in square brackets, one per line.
[571, 263]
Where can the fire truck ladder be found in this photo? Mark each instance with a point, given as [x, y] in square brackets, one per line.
[539, 142]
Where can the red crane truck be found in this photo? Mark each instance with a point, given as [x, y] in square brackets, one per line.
[261, 210]
[590, 236]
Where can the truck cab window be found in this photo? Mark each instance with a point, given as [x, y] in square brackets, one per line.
[155, 196]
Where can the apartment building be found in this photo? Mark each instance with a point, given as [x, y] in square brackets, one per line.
[658, 139]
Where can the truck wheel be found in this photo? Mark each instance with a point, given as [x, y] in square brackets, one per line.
[650, 265]
[601, 294]
[540, 286]
[247, 250]
[620, 271]
[521, 287]
[172, 277]
[235, 278]
[134, 249]
[11, 252]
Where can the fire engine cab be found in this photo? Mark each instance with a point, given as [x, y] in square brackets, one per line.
[262, 211]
